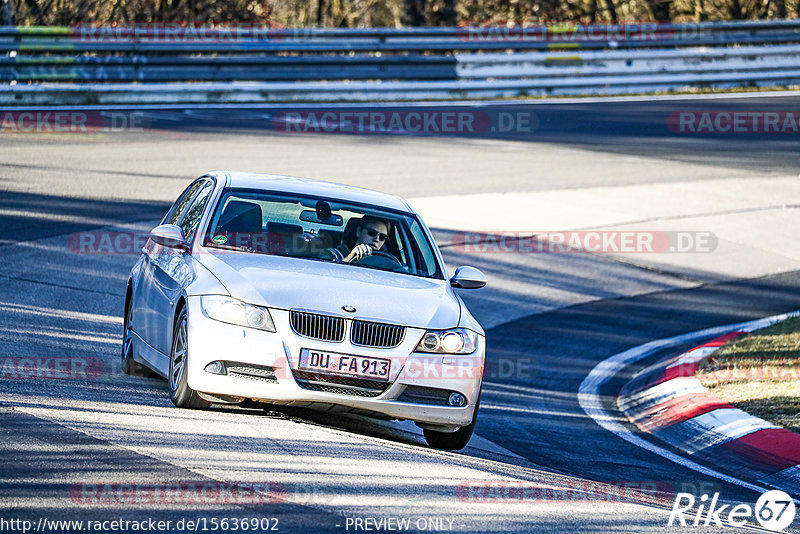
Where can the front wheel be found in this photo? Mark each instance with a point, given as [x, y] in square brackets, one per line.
[453, 441]
[180, 393]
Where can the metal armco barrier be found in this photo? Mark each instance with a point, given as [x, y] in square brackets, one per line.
[172, 64]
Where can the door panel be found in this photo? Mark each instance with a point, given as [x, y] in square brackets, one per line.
[174, 271]
[151, 300]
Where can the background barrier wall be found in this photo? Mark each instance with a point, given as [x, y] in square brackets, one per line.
[172, 64]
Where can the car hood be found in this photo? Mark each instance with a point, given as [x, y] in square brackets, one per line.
[324, 287]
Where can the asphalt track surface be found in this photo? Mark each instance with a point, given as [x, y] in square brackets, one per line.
[57, 434]
[648, 126]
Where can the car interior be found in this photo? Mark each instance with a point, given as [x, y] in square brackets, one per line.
[242, 225]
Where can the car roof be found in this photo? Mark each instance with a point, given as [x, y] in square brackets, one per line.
[307, 186]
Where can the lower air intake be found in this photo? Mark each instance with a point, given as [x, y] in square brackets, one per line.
[252, 372]
[342, 385]
[425, 395]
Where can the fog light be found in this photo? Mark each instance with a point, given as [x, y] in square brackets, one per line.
[457, 399]
[216, 368]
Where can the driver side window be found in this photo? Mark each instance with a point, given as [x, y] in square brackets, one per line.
[195, 211]
[178, 209]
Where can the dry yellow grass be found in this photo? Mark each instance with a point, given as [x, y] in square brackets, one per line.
[760, 373]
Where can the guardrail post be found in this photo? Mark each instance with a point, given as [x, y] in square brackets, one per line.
[6, 13]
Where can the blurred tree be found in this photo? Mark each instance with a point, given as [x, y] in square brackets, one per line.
[413, 12]
[365, 13]
[612, 10]
[593, 10]
[443, 13]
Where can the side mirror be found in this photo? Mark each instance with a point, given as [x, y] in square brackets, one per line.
[169, 235]
[468, 278]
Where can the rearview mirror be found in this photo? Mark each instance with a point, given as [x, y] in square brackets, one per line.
[169, 235]
[313, 217]
[468, 278]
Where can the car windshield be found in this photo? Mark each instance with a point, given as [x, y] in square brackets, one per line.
[321, 229]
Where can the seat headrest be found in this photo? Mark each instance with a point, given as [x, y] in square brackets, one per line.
[349, 234]
[241, 216]
[284, 228]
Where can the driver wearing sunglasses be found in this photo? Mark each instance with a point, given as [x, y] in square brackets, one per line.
[371, 234]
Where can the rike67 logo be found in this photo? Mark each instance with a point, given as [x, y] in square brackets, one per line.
[774, 510]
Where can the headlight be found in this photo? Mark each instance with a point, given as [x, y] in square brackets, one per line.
[455, 341]
[233, 311]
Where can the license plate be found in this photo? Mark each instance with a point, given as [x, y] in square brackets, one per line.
[345, 364]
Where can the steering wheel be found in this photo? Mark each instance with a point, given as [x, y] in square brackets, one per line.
[382, 260]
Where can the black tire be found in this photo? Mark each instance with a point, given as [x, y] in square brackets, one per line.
[180, 393]
[128, 364]
[453, 441]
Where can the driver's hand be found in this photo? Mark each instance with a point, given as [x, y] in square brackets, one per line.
[358, 252]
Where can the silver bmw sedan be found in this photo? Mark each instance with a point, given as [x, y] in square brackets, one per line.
[300, 292]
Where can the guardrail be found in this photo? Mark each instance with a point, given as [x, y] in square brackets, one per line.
[135, 64]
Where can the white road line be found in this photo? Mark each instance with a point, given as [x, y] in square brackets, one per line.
[591, 402]
[649, 397]
[692, 357]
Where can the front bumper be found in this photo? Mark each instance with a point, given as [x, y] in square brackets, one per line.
[210, 340]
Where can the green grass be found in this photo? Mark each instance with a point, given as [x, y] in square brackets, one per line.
[760, 373]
